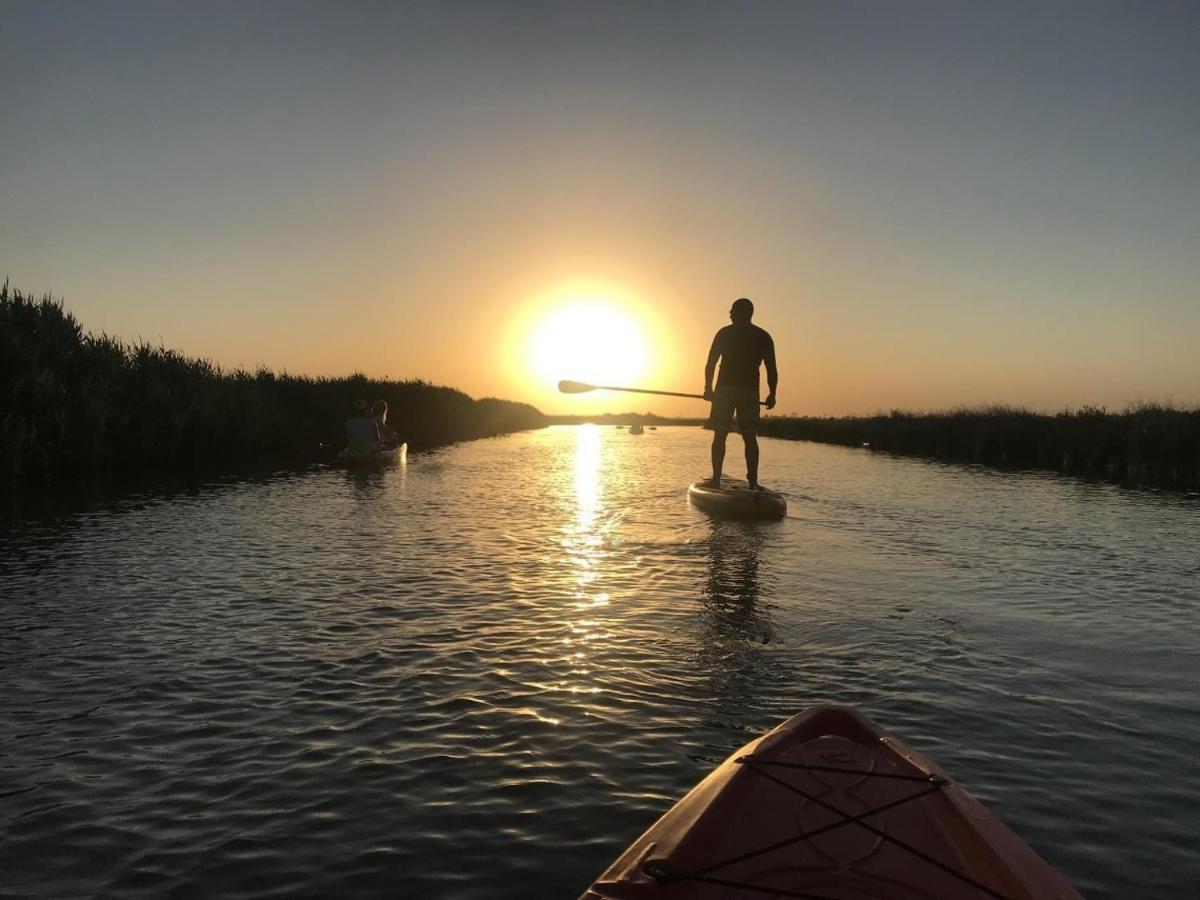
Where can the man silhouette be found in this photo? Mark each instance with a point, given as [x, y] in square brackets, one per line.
[741, 348]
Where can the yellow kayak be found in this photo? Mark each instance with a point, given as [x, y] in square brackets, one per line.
[348, 457]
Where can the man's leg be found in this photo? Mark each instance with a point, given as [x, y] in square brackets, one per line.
[751, 459]
[719, 418]
[718, 456]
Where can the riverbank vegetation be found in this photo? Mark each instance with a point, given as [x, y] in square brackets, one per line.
[1147, 444]
[75, 406]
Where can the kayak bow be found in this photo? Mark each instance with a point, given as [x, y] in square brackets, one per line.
[829, 807]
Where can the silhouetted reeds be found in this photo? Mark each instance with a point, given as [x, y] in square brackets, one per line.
[77, 406]
[1147, 444]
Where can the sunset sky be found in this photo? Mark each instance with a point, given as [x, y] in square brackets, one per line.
[931, 204]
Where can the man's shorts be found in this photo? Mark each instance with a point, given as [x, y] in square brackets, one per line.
[726, 401]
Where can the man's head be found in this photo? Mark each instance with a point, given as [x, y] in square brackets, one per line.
[742, 311]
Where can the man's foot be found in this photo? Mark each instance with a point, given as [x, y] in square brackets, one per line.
[712, 482]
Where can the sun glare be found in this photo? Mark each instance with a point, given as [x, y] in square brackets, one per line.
[589, 340]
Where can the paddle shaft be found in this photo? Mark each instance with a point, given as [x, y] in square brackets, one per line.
[605, 387]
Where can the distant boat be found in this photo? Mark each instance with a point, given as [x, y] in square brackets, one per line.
[654, 428]
[636, 429]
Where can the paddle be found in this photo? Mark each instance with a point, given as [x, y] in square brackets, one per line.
[580, 387]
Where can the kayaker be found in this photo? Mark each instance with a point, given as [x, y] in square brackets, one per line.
[362, 431]
[379, 412]
[741, 348]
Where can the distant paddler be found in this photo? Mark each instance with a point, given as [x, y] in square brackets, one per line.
[362, 431]
[387, 436]
[741, 348]
[368, 437]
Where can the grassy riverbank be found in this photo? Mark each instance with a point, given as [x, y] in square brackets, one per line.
[78, 407]
[1147, 444]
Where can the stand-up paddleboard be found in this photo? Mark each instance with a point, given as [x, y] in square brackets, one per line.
[348, 457]
[829, 806]
[735, 500]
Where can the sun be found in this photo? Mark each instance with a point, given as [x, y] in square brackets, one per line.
[588, 339]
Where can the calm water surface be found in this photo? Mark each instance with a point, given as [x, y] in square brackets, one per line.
[482, 675]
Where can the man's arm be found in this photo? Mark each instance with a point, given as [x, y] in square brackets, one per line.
[772, 373]
[710, 367]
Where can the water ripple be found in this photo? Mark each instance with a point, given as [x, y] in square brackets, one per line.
[483, 674]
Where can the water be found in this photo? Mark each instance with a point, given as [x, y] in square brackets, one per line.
[484, 674]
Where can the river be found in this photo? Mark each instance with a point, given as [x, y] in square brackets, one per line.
[484, 673]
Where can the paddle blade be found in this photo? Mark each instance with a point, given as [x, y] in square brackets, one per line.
[575, 387]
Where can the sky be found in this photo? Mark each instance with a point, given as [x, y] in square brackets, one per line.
[931, 204]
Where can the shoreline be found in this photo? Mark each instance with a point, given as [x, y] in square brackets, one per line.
[87, 409]
[1147, 445]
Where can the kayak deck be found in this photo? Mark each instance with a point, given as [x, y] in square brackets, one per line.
[829, 807]
[735, 499]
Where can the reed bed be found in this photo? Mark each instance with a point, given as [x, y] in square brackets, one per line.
[75, 406]
[1147, 444]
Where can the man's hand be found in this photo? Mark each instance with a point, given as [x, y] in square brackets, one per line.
[708, 393]
[770, 404]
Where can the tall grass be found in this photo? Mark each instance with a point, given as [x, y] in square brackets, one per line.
[1147, 444]
[77, 406]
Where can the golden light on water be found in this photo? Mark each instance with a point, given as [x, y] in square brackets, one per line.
[585, 545]
[587, 474]
[585, 538]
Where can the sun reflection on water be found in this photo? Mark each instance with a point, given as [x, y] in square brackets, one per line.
[584, 536]
[587, 474]
[585, 544]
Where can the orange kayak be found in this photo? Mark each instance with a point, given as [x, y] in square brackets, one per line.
[830, 807]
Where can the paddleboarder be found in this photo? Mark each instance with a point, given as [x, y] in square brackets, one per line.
[741, 348]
